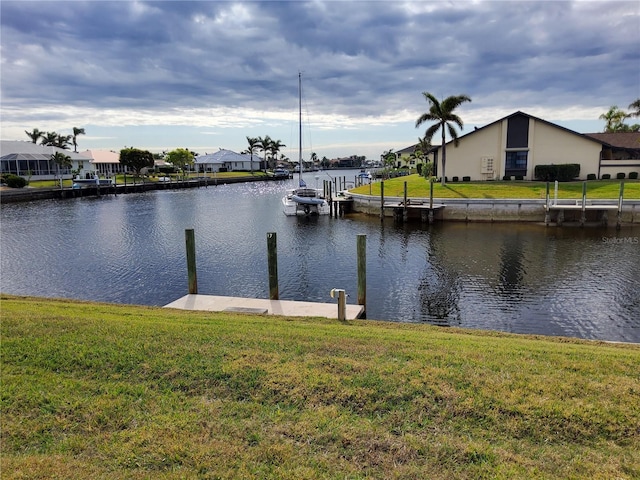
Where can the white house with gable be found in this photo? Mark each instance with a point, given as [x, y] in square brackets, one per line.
[227, 161]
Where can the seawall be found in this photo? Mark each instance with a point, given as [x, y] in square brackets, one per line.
[501, 210]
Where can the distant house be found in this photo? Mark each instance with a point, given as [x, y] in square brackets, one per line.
[27, 159]
[105, 162]
[227, 161]
[516, 144]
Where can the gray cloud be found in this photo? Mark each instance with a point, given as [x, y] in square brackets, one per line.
[365, 58]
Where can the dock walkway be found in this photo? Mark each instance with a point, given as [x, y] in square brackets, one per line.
[287, 308]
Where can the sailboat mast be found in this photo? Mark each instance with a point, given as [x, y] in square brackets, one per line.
[299, 127]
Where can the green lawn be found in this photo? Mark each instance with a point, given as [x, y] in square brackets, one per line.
[418, 186]
[125, 392]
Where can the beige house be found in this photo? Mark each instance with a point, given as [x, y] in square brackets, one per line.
[514, 145]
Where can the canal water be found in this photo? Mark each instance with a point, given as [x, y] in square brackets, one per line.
[515, 278]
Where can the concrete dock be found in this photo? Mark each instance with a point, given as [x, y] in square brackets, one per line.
[287, 308]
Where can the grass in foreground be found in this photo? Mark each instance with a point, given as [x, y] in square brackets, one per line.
[115, 391]
[418, 186]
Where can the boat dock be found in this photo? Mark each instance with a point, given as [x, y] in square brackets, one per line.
[287, 308]
[401, 209]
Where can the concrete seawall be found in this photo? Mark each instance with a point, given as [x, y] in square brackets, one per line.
[498, 210]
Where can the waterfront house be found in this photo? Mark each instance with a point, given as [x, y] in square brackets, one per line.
[30, 160]
[514, 145]
[227, 161]
[105, 162]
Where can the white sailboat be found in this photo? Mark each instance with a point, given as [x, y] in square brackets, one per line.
[303, 200]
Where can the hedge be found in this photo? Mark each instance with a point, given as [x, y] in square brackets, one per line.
[564, 172]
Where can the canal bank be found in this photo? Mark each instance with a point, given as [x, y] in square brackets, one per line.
[500, 210]
[14, 195]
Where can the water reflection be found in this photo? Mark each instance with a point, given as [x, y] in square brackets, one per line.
[516, 278]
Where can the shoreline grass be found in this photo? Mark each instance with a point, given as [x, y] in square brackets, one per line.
[418, 187]
[93, 390]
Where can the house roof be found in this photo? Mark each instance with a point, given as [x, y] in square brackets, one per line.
[567, 130]
[102, 156]
[24, 150]
[626, 140]
[226, 156]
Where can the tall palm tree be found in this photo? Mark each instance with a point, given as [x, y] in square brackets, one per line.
[443, 114]
[264, 144]
[635, 108]
[253, 144]
[34, 135]
[274, 148]
[76, 131]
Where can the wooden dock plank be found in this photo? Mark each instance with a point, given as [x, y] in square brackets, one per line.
[288, 308]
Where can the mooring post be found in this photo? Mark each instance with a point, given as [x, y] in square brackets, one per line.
[362, 270]
[190, 240]
[547, 215]
[619, 216]
[430, 201]
[583, 216]
[405, 210]
[382, 200]
[272, 255]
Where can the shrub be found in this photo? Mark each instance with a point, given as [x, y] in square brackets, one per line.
[14, 181]
[591, 176]
[606, 176]
[620, 175]
[455, 179]
[506, 177]
[564, 172]
[468, 179]
[633, 175]
[519, 177]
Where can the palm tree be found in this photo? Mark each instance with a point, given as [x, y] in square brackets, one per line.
[62, 141]
[614, 119]
[48, 139]
[253, 144]
[76, 131]
[635, 108]
[34, 135]
[62, 161]
[264, 144]
[443, 114]
[274, 148]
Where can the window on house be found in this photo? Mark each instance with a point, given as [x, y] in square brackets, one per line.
[516, 163]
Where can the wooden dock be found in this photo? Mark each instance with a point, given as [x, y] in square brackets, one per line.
[287, 308]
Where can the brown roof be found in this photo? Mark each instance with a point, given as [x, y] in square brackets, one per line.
[629, 140]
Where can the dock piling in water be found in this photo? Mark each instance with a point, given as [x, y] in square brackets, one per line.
[272, 255]
[191, 260]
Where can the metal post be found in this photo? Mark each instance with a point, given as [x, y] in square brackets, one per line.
[191, 260]
[382, 200]
[405, 210]
[272, 256]
[547, 215]
[619, 216]
[583, 216]
[362, 270]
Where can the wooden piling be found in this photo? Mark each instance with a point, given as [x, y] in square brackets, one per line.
[362, 271]
[272, 256]
[190, 241]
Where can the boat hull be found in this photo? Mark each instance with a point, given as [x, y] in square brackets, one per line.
[293, 205]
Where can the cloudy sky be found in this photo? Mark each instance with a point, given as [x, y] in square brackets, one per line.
[205, 75]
